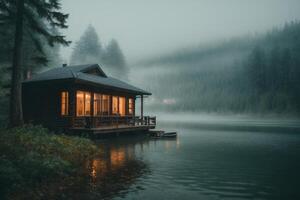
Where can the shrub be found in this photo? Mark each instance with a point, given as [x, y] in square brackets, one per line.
[32, 159]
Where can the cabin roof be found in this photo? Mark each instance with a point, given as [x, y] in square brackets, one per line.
[81, 73]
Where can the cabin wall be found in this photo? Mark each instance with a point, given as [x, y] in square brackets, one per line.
[42, 102]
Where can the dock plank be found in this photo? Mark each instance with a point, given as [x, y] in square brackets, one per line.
[113, 129]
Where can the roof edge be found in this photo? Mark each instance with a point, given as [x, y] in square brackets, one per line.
[118, 88]
[92, 66]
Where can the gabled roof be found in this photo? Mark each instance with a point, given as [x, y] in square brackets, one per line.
[82, 73]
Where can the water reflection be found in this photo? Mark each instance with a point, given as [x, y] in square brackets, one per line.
[199, 164]
[118, 167]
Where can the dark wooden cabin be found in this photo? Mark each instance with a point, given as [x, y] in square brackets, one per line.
[83, 98]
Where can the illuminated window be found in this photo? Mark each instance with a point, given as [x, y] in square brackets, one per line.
[97, 104]
[105, 105]
[80, 103]
[130, 106]
[87, 103]
[115, 105]
[64, 103]
[83, 103]
[118, 105]
[122, 106]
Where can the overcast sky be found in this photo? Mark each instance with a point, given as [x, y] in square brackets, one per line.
[146, 28]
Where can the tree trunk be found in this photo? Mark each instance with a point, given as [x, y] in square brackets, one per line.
[16, 114]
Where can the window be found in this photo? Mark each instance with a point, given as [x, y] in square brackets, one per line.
[87, 104]
[97, 104]
[101, 104]
[105, 105]
[115, 105]
[64, 103]
[130, 106]
[118, 105]
[79, 103]
[122, 106]
[83, 103]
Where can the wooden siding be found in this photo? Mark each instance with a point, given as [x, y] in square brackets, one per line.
[42, 104]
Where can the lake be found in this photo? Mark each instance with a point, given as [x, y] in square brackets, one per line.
[199, 164]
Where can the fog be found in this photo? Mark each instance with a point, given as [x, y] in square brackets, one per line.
[233, 56]
[149, 28]
[232, 122]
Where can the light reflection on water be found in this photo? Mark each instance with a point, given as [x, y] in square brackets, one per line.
[199, 165]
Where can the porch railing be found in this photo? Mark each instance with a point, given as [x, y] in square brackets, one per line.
[114, 120]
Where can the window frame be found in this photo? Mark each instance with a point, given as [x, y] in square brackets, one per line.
[105, 111]
[84, 103]
[131, 106]
[64, 100]
[119, 105]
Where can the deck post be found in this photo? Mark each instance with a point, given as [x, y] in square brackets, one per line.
[72, 106]
[142, 109]
[134, 111]
[92, 111]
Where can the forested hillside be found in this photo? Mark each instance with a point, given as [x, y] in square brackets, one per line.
[250, 74]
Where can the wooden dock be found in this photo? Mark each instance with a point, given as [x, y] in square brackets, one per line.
[112, 130]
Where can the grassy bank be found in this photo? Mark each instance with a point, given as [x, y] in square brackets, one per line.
[36, 164]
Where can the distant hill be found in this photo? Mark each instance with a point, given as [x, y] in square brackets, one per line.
[253, 74]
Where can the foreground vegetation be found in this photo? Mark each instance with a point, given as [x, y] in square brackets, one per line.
[36, 164]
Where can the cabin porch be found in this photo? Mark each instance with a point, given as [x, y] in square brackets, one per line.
[112, 124]
[87, 109]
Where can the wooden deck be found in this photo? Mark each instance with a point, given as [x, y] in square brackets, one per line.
[112, 125]
[114, 129]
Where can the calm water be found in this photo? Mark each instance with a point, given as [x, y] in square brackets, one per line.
[199, 164]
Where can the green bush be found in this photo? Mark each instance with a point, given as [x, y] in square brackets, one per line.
[35, 162]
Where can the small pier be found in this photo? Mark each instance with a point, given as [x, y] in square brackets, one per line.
[162, 134]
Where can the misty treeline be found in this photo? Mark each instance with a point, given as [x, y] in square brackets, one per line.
[250, 74]
[89, 49]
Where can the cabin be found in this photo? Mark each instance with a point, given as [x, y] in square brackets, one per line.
[83, 98]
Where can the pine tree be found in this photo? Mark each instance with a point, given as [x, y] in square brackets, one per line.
[35, 17]
[114, 55]
[274, 71]
[257, 70]
[88, 48]
[114, 59]
[285, 71]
